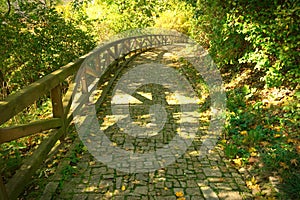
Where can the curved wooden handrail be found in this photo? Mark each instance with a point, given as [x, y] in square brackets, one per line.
[103, 57]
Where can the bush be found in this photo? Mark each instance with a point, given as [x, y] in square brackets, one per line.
[36, 40]
[262, 35]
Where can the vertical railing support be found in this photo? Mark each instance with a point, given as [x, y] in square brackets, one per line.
[57, 106]
[3, 192]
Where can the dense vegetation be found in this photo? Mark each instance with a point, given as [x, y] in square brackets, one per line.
[255, 45]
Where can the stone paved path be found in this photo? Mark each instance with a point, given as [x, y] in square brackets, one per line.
[189, 178]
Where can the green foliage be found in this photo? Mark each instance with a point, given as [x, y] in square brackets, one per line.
[231, 150]
[78, 150]
[36, 41]
[67, 172]
[105, 18]
[265, 137]
[260, 34]
[177, 16]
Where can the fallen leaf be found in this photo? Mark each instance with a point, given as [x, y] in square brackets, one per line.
[92, 163]
[283, 165]
[179, 194]
[136, 182]
[277, 135]
[294, 162]
[252, 184]
[252, 149]
[253, 160]
[238, 161]
[253, 154]
[290, 140]
[264, 143]
[243, 132]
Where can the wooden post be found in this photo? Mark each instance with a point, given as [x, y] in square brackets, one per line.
[57, 106]
[3, 192]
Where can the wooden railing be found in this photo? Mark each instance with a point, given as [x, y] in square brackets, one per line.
[107, 55]
[58, 123]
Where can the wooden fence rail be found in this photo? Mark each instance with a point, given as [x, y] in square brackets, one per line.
[16, 103]
[107, 55]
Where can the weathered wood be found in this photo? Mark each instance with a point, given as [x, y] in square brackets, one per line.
[20, 180]
[15, 103]
[57, 105]
[58, 108]
[3, 193]
[67, 100]
[15, 132]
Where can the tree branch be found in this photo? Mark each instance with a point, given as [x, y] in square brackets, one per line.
[9, 7]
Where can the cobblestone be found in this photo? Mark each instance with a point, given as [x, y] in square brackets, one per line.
[189, 177]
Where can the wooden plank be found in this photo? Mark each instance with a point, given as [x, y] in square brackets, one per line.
[15, 132]
[67, 100]
[57, 105]
[58, 108]
[16, 102]
[3, 193]
[23, 176]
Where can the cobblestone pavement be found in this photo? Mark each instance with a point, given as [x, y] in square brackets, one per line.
[189, 177]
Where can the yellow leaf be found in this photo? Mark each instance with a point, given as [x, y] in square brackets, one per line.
[277, 135]
[136, 182]
[253, 180]
[277, 128]
[243, 132]
[253, 154]
[223, 141]
[252, 184]
[252, 149]
[92, 163]
[238, 161]
[166, 188]
[113, 144]
[249, 184]
[179, 194]
[123, 188]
